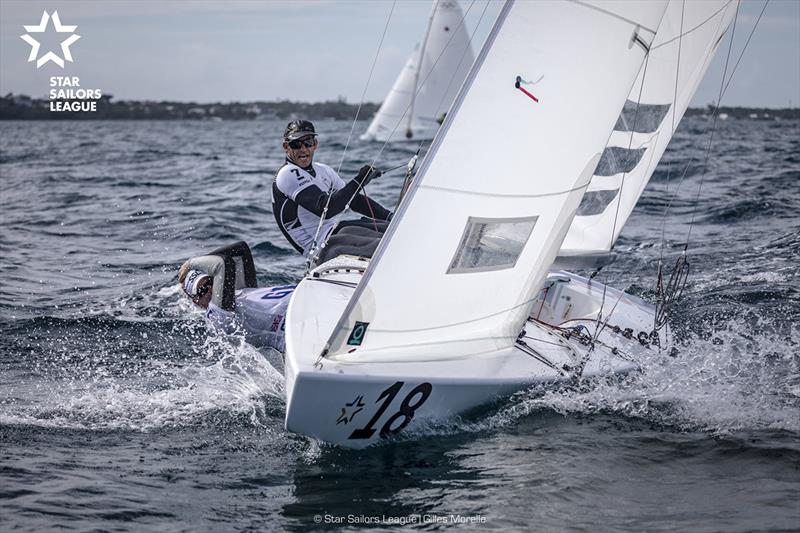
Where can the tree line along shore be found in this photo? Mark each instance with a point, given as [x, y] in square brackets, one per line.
[22, 107]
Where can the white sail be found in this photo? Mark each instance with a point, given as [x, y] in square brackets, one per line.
[687, 38]
[429, 81]
[490, 206]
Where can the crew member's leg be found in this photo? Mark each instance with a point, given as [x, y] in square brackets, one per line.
[350, 241]
[375, 225]
[240, 249]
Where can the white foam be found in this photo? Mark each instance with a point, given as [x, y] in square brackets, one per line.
[228, 376]
[746, 382]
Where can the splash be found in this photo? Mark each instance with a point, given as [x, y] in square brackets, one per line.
[733, 381]
[742, 378]
[223, 377]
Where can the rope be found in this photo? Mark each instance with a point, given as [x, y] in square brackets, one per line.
[667, 296]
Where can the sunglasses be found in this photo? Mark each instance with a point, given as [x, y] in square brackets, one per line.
[308, 143]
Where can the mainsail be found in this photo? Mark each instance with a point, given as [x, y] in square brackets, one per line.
[687, 38]
[475, 236]
[429, 81]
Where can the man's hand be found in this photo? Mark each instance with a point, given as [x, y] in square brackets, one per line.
[182, 272]
[367, 174]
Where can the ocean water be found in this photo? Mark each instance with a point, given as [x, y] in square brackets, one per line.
[121, 411]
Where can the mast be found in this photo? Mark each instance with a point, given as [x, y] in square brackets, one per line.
[409, 133]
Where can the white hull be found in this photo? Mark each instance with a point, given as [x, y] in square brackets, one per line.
[355, 402]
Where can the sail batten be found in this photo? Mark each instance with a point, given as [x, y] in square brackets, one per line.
[473, 239]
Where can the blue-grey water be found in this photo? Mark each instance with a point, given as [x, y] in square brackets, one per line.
[121, 411]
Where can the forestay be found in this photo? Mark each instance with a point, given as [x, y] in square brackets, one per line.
[474, 237]
[643, 130]
[429, 81]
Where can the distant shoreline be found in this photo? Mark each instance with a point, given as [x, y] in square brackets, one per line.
[23, 107]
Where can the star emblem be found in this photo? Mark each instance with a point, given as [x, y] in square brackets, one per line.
[356, 406]
[41, 28]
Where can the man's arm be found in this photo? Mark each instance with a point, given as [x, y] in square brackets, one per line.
[313, 199]
[214, 266]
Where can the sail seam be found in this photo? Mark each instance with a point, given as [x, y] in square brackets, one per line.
[616, 16]
[470, 321]
[499, 195]
[687, 32]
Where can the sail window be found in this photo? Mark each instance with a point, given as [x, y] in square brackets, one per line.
[646, 119]
[595, 202]
[491, 244]
[616, 159]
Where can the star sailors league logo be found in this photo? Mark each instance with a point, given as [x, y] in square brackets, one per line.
[50, 55]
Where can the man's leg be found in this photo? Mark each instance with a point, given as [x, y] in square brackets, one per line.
[368, 223]
[350, 244]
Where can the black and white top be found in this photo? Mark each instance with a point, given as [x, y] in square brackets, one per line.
[299, 196]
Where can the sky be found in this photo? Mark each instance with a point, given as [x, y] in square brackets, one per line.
[313, 50]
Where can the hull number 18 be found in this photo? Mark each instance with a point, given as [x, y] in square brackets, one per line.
[402, 417]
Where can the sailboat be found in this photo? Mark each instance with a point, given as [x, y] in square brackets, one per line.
[429, 81]
[458, 304]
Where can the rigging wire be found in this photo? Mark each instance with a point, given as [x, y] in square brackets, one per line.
[619, 194]
[409, 174]
[679, 275]
[667, 295]
[661, 297]
[312, 255]
[460, 60]
[714, 112]
[311, 249]
[713, 129]
[366, 85]
[428, 75]
[747, 42]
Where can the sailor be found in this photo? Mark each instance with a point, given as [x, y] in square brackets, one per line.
[302, 189]
[224, 284]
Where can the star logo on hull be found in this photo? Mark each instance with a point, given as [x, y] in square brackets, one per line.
[50, 55]
[355, 407]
